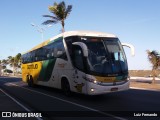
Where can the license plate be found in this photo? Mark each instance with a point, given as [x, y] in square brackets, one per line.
[114, 89]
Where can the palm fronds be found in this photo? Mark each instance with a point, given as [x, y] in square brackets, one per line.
[154, 58]
[60, 13]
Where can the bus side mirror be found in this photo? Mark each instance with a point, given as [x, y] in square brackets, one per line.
[83, 46]
[131, 47]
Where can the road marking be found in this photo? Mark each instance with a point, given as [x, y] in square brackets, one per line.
[18, 103]
[73, 103]
[15, 101]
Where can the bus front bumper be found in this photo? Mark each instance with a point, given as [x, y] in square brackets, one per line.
[95, 89]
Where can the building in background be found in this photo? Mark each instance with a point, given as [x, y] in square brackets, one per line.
[0, 70]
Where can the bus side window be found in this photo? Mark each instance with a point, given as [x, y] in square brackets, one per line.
[78, 58]
[32, 56]
[37, 55]
[23, 58]
[60, 47]
[28, 57]
[51, 51]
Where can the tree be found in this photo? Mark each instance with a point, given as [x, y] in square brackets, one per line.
[60, 13]
[154, 59]
[15, 62]
[3, 65]
[11, 62]
[4, 62]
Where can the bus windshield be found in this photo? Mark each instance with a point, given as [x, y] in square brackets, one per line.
[106, 56]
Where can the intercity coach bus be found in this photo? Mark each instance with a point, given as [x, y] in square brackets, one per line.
[78, 61]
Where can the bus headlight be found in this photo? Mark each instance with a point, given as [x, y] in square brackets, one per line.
[90, 80]
[92, 89]
[95, 81]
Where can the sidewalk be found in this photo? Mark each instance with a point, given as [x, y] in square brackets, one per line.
[145, 83]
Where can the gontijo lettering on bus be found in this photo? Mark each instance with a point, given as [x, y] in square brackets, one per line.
[32, 66]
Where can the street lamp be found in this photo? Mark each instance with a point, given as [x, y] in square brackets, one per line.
[40, 29]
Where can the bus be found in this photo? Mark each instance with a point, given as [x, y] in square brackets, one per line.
[84, 62]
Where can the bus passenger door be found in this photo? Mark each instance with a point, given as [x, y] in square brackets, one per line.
[79, 82]
[54, 78]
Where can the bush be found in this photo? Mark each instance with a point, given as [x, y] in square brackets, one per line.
[8, 71]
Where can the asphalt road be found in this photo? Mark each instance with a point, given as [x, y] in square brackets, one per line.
[52, 104]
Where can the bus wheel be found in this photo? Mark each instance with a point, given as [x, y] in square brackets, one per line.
[66, 87]
[30, 82]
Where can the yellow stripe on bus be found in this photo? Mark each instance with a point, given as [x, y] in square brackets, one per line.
[105, 79]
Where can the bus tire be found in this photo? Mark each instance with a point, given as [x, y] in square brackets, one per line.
[65, 87]
[30, 81]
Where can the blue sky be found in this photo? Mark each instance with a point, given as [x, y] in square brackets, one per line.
[134, 21]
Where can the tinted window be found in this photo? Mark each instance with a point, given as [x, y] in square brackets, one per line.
[49, 51]
[78, 58]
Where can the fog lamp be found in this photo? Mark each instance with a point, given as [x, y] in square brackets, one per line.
[92, 90]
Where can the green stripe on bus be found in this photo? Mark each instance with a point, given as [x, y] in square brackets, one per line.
[46, 71]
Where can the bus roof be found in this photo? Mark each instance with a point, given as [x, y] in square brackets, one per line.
[73, 33]
[83, 33]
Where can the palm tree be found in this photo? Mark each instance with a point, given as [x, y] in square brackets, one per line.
[15, 62]
[18, 60]
[4, 63]
[11, 61]
[60, 13]
[154, 59]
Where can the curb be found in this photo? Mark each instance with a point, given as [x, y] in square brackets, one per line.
[137, 88]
